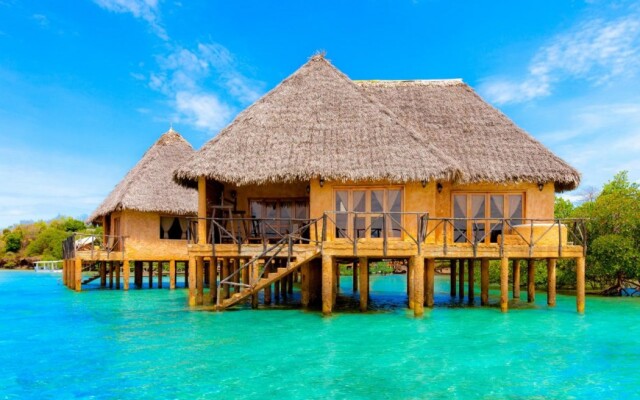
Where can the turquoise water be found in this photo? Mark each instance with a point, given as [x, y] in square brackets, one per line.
[104, 344]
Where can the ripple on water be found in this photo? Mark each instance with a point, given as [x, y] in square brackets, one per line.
[147, 344]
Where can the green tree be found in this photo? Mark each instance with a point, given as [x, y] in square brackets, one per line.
[613, 261]
[563, 208]
[13, 242]
[47, 244]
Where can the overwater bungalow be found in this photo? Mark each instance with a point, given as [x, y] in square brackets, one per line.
[144, 220]
[325, 170]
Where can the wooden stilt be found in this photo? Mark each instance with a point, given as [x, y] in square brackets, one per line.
[137, 274]
[126, 271]
[305, 293]
[236, 277]
[255, 275]
[103, 274]
[283, 288]
[363, 270]
[531, 281]
[452, 277]
[160, 273]
[484, 281]
[172, 274]
[77, 274]
[354, 271]
[117, 268]
[150, 274]
[111, 271]
[199, 281]
[206, 273]
[430, 281]
[213, 279]
[461, 279]
[471, 280]
[551, 282]
[290, 284]
[516, 278]
[504, 284]
[267, 290]
[223, 275]
[336, 286]
[328, 283]
[191, 267]
[186, 275]
[410, 280]
[417, 264]
[580, 284]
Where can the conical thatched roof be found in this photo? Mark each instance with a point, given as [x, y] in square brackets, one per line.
[317, 123]
[486, 144]
[149, 186]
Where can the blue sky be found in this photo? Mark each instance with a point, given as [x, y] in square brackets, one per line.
[87, 86]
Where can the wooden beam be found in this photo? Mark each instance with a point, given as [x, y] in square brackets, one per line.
[430, 281]
[516, 278]
[172, 274]
[77, 274]
[531, 281]
[417, 264]
[117, 266]
[484, 281]
[452, 276]
[461, 279]
[580, 284]
[213, 279]
[328, 277]
[160, 273]
[150, 271]
[191, 267]
[363, 270]
[551, 282]
[202, 210]
[199, 281]
[504, 284]
[126, 272]
[471, 280]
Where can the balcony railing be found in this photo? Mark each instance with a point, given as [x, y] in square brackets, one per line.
[94, 244]
[417, 228]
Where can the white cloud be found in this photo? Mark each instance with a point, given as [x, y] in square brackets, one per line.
[146, 10]
[595, 50]
[203, 110]
[204, 85]
[41, 19]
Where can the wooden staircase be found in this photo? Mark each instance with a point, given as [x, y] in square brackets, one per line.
[301, 258]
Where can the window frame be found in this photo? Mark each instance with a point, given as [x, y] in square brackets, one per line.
[469, 234]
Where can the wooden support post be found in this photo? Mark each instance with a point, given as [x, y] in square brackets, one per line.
[531, 281]
[224, 273]
[354, 271]
[430, 281]
[191, 267]
[580, 284]
[199, 281]
[112, 266]
[417, 264]
[363, 270]
[328, 277]
[267, 294]
[290, 284]
[206, 273]
[461, 279]
[103, 274]
[172, 274]
[471, 280]
[236, 277]
[551, 282]
[160, 273]
[504, 284]
[117, 266]
[283, 288]
[255, 275]
[126, 272]
[186, 274]
[77, 275]
[410, 280]
[150, 271]
[452, 277]
[202, 210]
[213, 279]
[516, 278]
[484, 281]
[305, 293]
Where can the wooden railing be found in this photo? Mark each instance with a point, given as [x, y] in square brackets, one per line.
[92, 244]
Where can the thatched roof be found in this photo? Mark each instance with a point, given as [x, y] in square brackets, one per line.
[317, 123]
[486, 144]
[149, 186]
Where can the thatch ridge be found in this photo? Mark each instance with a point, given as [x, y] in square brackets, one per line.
[318, 123]
[149, 185]
[487, 145]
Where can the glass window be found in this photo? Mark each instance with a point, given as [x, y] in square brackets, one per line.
[478, 211]
[342, 206]
[497, 211]
[395, 207]
[459, 211]
[173, 228]
[515, 209]
[360, 205]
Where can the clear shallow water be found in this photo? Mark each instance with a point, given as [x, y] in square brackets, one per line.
[105, 344]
